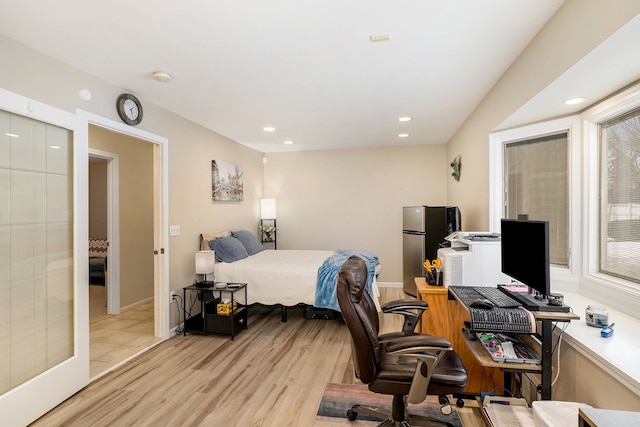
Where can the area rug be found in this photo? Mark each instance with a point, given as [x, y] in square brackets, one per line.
[338, 398]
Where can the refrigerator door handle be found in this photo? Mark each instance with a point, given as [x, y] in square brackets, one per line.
[417, 233]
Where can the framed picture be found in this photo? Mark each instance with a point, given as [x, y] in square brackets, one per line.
[226, 182]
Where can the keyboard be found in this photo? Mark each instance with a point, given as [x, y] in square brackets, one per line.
[498, 298]
[468, 294]
[509, 320]
[506, 316]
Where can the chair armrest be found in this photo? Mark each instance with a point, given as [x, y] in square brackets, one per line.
[417, 342]
[428, 350]
[404, 304]
[404, 307]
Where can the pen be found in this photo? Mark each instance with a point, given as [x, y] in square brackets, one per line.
[500, 402]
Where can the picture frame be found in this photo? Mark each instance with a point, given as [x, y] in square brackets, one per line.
[226, 182]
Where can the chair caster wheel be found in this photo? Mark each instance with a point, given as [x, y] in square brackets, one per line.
[443, 400]
[351, 415]
[460, 402]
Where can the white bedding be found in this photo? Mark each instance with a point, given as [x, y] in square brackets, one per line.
[286, 277]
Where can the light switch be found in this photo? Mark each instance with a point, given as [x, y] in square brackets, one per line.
[174, 230]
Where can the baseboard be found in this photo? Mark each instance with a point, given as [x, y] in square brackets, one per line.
[390, 284]
[172, 331]
[135, 304]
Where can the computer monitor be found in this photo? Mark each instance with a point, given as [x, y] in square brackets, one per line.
[525, 253]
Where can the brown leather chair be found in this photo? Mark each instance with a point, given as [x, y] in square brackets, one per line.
[407, 365]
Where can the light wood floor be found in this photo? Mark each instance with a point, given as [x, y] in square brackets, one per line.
[272, 374]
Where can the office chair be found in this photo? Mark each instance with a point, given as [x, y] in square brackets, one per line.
[408, 366]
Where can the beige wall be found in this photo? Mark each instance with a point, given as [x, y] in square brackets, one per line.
[578, 27]
[582, 380]
[135, 159]
[334, 198]
[191, 149]
[353, 199]
[98, 199]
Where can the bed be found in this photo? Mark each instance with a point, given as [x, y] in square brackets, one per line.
[286, 277]
[97, 261]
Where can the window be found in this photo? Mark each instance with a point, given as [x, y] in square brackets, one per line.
[602, 183]
[535, 171]
[620, 196]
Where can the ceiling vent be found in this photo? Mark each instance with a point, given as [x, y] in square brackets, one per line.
[379, 37]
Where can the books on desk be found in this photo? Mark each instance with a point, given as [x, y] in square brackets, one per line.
[507, 412]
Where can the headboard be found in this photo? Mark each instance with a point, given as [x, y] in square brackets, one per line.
[206, 237]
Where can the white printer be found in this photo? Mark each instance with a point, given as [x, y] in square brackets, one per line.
[473, 259]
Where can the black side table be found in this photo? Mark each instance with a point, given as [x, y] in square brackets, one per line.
[208, 321]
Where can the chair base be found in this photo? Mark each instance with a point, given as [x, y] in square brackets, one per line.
[399, 416]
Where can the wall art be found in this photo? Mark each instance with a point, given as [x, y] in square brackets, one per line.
[226, 182]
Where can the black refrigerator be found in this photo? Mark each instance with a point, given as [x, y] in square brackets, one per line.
[423, 231]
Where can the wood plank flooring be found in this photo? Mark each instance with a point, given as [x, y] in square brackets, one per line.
[272, 374]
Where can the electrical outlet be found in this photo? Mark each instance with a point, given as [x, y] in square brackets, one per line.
[172, 295]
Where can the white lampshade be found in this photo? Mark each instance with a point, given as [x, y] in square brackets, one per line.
[267, 208]
[205, 262]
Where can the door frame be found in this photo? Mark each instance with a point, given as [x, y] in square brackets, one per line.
[161, 212]
[112, 279]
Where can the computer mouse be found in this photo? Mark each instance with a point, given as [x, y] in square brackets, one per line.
[606, 332]
[482, 303]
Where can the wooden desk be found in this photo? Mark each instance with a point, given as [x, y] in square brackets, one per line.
[436, 322]
[546, 320]
[444, 318]
[593, 417]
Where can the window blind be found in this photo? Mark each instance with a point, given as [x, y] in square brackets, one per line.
[620, 196]
[536, 186]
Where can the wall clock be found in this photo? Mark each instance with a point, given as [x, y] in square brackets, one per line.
[129, 109]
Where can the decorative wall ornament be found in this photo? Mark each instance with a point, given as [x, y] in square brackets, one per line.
[226, 182]
[455, 165]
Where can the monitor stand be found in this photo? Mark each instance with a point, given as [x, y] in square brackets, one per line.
[532, 303]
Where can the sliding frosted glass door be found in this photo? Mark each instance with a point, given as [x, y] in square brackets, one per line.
[36, 248]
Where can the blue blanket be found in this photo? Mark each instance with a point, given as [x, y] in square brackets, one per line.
[326, 295]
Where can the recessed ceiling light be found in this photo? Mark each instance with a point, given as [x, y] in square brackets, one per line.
[55, 147]
[268, 128]
[288, 142]
[574, 101]
[405, 119]
[12, 135]
[403, 135]
[161, 76]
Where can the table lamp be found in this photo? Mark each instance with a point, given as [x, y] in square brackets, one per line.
[267, 208]
[205, 263]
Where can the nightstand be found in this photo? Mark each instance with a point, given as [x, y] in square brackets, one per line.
[216, 317]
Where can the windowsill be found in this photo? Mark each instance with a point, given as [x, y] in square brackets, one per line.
[617, 355]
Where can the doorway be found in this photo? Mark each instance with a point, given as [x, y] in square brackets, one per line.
[123, 217]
